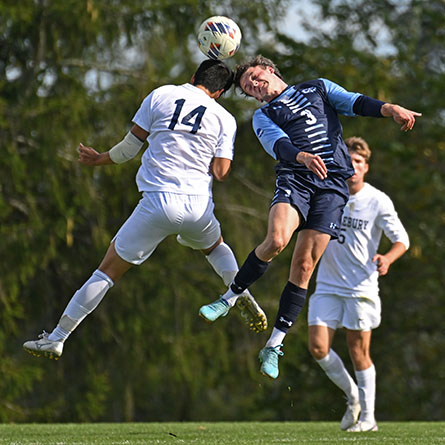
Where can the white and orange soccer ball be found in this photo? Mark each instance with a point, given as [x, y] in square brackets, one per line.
[219, 37]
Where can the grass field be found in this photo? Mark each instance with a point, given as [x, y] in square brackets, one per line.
[241, 433]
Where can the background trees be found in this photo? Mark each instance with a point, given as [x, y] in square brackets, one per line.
[77, 71]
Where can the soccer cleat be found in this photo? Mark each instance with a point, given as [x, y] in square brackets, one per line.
[268, 357]
[351, 415]
[252, 312]
[210, 312]
[45, 347]
[362, 426]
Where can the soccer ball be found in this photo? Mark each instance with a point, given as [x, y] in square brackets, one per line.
[219, 37]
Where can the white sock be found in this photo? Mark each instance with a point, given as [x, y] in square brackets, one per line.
[276, 338]
[224, 263]
[335, 369]
[83, 302]
[366, 386]
[230, 297]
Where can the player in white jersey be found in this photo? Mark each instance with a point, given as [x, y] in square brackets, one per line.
[190, 139]
[347, 292]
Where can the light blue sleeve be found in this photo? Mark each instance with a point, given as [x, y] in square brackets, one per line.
[340, 99]
[267, 131]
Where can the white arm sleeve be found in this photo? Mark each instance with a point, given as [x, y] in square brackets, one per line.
[126, 149]
[390, 223]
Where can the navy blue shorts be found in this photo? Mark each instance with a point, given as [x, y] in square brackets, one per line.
[320, 203]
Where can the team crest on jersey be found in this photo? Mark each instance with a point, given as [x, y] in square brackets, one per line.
[309, 90]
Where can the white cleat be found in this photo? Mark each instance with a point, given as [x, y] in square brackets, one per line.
[252, 312]
[362, 427]
[44, 347]
[351, 415]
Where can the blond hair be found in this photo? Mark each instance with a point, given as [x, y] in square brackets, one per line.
[358, 145]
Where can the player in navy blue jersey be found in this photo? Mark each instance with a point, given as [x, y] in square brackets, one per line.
[299, 127]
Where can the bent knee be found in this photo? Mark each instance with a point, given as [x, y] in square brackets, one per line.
[318, 350]
[305, 267]
[276, 244]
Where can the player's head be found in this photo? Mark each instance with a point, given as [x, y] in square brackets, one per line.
[214, 75]
[358, 145]
[256, 61]
[360, 155]
[259, 78]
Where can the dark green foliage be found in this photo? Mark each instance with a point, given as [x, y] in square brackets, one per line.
[75, 72]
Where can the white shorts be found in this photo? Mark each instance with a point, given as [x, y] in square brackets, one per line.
[158, 215]
[354, 313]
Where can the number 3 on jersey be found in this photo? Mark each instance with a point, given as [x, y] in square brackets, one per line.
[311, 119]
[197, 114]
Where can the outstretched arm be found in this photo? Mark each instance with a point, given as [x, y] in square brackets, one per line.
[121, 152]
[89, 156]
[401, 115]
[348, 103]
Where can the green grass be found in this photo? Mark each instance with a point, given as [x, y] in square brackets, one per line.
[221, 433]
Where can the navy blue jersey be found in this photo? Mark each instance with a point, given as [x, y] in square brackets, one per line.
[306, 116]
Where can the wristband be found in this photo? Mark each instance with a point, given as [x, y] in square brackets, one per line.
[285, 150]
[367, 106]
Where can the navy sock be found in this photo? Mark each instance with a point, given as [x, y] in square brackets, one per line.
[252, 269]
[291, 302]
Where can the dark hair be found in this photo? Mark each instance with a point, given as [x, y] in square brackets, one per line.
[213, 75]
[256, 61]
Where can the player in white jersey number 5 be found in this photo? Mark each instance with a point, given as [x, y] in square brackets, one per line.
[190, 139]
[347, 292]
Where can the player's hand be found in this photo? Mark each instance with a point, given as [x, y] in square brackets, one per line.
[314, 163]
[89, 156]
[382, 264]
[401, 115]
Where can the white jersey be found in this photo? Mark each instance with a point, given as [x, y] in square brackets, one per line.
[187, 130]
[346, 268]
